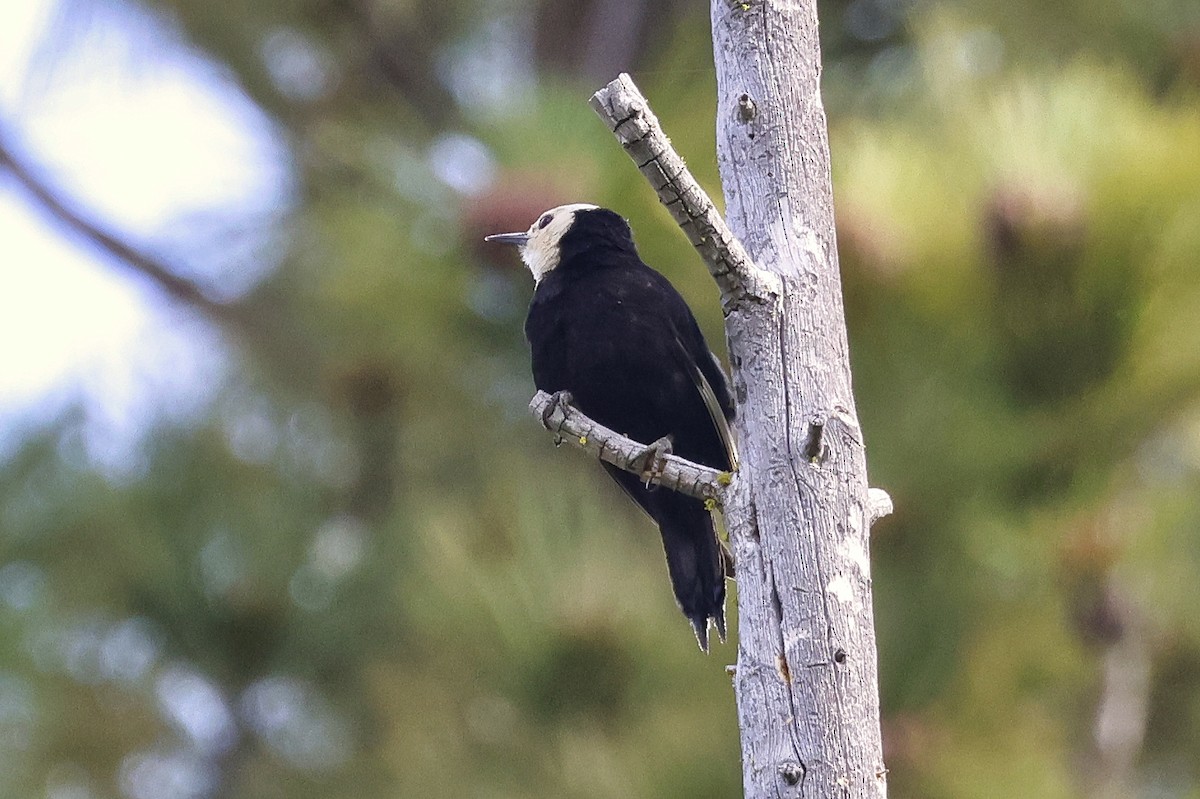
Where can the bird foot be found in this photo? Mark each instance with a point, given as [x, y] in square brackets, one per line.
[652, 461]
[559, 401]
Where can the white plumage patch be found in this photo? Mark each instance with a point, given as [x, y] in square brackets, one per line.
[541, 252]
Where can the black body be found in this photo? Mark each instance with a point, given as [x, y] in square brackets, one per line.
[615, 333]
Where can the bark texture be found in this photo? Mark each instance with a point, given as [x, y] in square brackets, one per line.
[800, 509]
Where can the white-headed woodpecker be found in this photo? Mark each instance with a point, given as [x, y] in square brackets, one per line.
[617, 337]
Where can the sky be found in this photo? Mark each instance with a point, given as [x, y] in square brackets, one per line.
[140, 137]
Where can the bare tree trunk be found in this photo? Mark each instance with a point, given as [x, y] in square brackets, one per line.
[799, 510]
[806, 681]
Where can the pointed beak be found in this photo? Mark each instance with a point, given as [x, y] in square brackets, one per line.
[518, 239]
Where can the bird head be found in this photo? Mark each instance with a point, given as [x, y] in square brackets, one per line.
[541, 245]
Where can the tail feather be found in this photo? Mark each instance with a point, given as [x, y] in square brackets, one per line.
[694, 561]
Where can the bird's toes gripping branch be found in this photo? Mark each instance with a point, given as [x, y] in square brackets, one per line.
[559, 402]
[651, 462]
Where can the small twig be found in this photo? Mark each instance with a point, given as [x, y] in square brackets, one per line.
[678, 474]
[627, 113]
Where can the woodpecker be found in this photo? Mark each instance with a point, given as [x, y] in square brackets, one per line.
[614, 338]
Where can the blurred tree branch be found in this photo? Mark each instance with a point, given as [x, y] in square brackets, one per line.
[405, 57]
[267, 329]
[593, 39]
[125, 254]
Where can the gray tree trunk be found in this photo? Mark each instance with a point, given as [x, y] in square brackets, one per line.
[800, 510]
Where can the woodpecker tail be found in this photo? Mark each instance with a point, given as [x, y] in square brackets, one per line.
[694, 561]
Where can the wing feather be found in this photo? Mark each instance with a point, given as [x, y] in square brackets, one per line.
[713, 405]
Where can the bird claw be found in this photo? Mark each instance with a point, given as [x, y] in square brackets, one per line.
[651, 462]
[559, 401]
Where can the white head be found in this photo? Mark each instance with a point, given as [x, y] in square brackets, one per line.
[539, 244]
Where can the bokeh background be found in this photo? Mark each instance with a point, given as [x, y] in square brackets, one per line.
[274, 521]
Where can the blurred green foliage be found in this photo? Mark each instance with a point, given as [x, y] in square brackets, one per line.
[363, 571]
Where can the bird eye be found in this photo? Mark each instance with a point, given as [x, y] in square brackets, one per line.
[545, 220]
